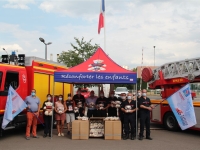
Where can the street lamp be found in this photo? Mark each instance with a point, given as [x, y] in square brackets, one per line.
[5, 51]
[154, 54]
[43, 41]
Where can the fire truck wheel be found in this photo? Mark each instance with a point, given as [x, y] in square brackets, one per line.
[170, 122]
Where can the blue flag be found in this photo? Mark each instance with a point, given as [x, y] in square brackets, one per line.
[14, 106]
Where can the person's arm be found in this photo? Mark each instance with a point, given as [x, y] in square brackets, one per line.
[26, 101]
[55, 108]
[86, 103]
[122, 108]
[108, 104]
[65, 106]
[38, 111]
[145, 107]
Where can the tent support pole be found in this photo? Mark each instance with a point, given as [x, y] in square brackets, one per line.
[52, 110]
[136, 127]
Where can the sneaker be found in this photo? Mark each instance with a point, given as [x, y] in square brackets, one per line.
[59, 134]
[62, 134]
[27, 138]
[36, 136]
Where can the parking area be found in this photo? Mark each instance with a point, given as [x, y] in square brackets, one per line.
[162, 139]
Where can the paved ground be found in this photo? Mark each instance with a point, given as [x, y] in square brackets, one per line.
[162, 140]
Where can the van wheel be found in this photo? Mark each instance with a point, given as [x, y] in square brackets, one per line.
[170, 122]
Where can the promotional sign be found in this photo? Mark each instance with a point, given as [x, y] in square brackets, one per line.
[95, 77]
[14, 106]
[182, 107]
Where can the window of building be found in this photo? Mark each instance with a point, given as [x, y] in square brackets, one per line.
[12, 78]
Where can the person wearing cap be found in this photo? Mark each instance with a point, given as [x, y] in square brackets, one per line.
[90, 103]
[79, 102]
[129, 109]
[102, 105]
[70, 112]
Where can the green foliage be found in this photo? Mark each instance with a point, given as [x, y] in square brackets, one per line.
[79, 53]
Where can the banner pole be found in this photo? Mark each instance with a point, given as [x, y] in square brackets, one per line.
[136, 123]
[52, 110]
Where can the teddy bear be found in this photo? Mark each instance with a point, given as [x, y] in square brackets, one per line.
[48, 105]
[75, 109]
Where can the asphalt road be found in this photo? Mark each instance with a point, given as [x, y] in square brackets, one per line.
[162, 140]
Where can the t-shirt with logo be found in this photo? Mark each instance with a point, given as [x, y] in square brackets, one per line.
[102, 102]
[79, 100]
[70, 107]
[112, 100]
[129, 106]
[146, 102]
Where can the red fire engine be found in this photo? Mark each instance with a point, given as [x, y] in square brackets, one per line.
[170, 77]
[25, 74]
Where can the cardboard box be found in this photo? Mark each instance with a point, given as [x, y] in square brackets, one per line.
[112, 130]
[80, 130]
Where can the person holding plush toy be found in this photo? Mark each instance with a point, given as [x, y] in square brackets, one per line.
[47, 108]
[60, 116]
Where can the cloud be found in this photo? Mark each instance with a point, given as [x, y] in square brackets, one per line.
[18, 4]
[12, 47]
[171, 26]
[34, 50]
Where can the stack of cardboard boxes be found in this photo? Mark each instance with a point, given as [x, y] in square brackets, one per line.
[112, 130]
[80, 130]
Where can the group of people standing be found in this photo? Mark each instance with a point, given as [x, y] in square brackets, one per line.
[68, 110]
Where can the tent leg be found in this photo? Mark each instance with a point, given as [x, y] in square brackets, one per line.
[136, 118]
[52, 111]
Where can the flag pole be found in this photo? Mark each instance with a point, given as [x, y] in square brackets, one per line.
[105, 26]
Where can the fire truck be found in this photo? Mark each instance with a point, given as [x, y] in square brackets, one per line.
[170, 77]
[24, 74]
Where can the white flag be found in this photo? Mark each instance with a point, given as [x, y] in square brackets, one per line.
[14, 106]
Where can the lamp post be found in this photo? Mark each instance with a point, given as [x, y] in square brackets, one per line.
[154, 54]
[43, 41]
[5, 51]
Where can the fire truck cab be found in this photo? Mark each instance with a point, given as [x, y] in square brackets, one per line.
[27, 73]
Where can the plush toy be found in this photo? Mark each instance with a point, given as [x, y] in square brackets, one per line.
[75, 109]
[91, 105]
[101, 106]
[60, 110]
[118, 104]
[48, 105]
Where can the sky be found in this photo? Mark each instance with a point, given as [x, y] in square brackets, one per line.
[172, 26]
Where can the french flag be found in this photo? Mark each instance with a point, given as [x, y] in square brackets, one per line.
[101, 16]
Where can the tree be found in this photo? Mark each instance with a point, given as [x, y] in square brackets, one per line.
[78, 54]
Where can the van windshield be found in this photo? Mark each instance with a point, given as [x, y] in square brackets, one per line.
[1, 74]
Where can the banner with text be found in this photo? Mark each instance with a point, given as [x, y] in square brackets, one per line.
[95, 77]
[182, 107]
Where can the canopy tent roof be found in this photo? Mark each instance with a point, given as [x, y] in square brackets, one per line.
[99, 68]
